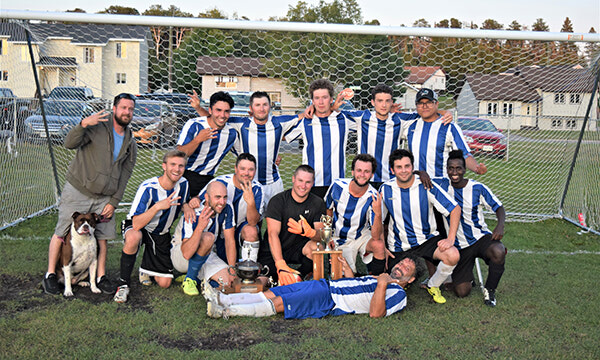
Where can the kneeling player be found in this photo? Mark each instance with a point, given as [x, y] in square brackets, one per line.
[473, 238]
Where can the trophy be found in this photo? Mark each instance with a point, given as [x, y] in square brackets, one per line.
[247, 272]
[326, 233]
[318, 256]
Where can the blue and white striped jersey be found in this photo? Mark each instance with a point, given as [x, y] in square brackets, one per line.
[379, 138]
[208, 155]
[235, 197]
[472, 198]
[353, 296]
[325, 141]
[149, 193]
[412, 221]
[431, 142]
[263, 142]
[223, 221]
[352, 216]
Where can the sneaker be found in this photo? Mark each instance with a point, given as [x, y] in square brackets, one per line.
[106, 285]
[50, 285]
[190, 287]
[437, 295]
[214, 310]
[122, 293]
[210, 293]
[145, 279]
[180, 278]
[489, 297]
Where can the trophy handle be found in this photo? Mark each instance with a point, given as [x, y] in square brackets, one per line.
[265, 267]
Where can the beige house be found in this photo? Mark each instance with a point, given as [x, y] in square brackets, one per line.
[430, 77]
[540, 97]
[109, 59]
[221, 73]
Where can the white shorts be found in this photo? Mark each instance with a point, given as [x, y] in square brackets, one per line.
[359, 246]
[213, 264]
[271, 190]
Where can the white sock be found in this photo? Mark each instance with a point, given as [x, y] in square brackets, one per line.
[241, 298]
[441, 274]
[250, 250]
[260, 309]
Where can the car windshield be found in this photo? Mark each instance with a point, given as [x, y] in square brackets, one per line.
[6, 93]
[476, 125]
[149, 109]
[241, 100]
[63, 108]
[67, 93]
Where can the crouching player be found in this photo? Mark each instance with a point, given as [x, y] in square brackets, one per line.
[473, 238]
[377, 296]
[157, 203]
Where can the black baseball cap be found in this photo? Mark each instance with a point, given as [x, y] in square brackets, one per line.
[426, 94]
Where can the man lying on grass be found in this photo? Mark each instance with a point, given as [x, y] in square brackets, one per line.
[377, 296]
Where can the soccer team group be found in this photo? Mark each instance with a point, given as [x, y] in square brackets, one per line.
[398, 205]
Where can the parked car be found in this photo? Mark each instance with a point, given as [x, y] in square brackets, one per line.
[77, 93]
[178, 102]
[242, 102]
[61, 115]
[13, 111]
[482, 136]
[155, 122]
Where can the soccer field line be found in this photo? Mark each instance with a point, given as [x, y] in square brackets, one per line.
[510, 251]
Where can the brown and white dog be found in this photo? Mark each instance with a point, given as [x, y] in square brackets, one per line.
[78, 256]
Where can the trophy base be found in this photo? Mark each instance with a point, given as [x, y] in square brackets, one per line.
[238, 286]
[319, 268]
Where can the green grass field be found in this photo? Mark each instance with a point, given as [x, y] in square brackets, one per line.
[547, 309]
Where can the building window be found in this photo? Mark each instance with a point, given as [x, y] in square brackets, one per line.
[2, 46]
[4, 76]
[571, 124]
[228, 82]
[507, 109]
[492, 108]
[559, 98]
[121, 50]
[121, 78]
[88, 55]
[575, 99]
[556, 123]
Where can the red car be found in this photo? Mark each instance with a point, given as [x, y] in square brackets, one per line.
[482, 136]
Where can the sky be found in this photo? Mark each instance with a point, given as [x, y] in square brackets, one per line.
[583, 13]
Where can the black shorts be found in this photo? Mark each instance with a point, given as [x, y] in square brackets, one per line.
[197, 181]
[463, 272]
[425, 251]
[291, 256]
[156, 260]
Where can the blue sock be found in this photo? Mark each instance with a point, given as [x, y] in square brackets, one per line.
[194, 266]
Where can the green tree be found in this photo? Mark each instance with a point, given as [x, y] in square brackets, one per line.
[567, 51]
[421, 23]
[336, 12]
[592, 50]
[540, 25]
[491, 24]
[117, 9]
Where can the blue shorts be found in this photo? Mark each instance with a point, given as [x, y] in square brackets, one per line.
[306, 299]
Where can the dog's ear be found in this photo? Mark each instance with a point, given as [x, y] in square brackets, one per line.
[75, 215]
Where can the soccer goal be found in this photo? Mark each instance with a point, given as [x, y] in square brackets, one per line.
[527, 102]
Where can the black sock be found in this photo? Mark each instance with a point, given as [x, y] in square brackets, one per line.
[494, 274]
[127, 264]
[376, 266]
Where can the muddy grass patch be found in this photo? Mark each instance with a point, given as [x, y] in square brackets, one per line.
[233, 338]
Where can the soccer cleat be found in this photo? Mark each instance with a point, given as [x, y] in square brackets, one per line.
[437, 295]
[189, 287]
[210, 293]
[106, 285]
[145, 279]
[50, 285]
[122, 293]
[214, 310]
[180, 278]
[489, 297]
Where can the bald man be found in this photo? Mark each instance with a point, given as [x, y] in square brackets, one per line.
[201, 249]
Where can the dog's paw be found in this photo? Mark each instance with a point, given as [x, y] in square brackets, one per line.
[68, 293]
[83, 283]
[95, 290]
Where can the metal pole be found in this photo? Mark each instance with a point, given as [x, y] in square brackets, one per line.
[39, 96]
[585, 120]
